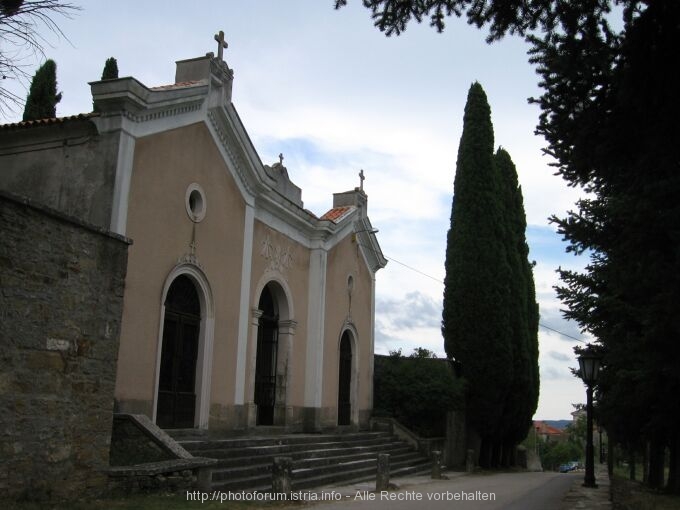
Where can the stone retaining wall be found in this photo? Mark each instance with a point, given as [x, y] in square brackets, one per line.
[61, 299]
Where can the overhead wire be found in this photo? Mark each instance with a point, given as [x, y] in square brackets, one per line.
[545, 326]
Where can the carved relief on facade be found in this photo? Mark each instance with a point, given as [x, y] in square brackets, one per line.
[280, 258]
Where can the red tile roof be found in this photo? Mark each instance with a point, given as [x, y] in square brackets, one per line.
[46, 122]
[543, 428]
[337, 213]
[178, 85]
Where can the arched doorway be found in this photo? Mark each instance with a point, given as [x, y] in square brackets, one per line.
[267, 356]
[176, 405]
[345, 381]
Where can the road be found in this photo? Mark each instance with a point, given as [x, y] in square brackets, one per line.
[502, 491]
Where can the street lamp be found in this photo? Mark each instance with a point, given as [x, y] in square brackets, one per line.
[589, 363]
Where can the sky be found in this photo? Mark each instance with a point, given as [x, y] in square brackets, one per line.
[335, 95]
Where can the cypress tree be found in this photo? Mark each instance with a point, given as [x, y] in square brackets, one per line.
[42, 96]
[476, 286]
[523, 312]
[110, 69]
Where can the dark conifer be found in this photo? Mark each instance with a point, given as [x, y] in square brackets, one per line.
[476, 289]
[523, 318]
[42, 96]
[609, 116]
[110, 69]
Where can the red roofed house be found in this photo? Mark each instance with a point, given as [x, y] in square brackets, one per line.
[548, 433]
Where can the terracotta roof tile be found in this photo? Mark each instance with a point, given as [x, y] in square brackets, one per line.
[544, 428]
[179, 85]
[46, 122]
[337, 213]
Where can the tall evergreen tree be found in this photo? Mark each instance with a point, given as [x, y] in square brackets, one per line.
[110, 69]
[609, 115]
[42, 96]
[523, 318]
[475, 318]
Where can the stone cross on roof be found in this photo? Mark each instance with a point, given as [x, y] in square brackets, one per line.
[362, 179]
[221, 44]
[281, 158]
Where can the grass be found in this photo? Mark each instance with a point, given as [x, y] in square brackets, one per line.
[630, 495]
[143, 502]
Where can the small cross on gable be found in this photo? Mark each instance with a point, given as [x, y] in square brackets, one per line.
[221, 44]
[362, 179]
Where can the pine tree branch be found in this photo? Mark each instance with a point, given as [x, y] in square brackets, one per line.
[20, 32]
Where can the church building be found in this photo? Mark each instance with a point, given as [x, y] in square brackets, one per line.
[241, 308]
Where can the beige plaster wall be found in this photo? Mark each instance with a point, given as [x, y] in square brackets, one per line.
[164, 166]
[345, 259]
[267, 267]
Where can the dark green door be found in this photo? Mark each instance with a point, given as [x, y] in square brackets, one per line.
[177, 382]
[345, 381]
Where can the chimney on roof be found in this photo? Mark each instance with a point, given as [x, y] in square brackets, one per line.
[356, 197]
[213, 69]
[208, 68]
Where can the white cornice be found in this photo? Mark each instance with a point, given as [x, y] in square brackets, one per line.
[129, 106]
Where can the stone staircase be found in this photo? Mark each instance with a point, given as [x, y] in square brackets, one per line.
[245, 463]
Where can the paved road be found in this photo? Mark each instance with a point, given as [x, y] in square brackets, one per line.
[502, 491]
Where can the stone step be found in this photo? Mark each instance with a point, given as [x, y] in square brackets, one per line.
[359, 474]
[307, 478]
[195, 444]
[397, 453]
[267, 452]
[245, 463]
[180, 434]
[394, 450]
[396, 462]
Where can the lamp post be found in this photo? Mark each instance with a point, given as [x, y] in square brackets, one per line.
[589, 363]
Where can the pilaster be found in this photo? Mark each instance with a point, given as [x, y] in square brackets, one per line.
[315, 334]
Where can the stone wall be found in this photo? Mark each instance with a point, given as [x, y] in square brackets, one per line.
[130, 445]
[66, 164]
[61, 298]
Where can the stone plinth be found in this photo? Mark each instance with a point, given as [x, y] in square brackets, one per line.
[382, 477]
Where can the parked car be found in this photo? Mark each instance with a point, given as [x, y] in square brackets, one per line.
[568, 467]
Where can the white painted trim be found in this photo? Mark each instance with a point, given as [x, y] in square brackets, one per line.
[191, 114]
[121, 187]
[205, 342]
[286, 307]
[196, 216]
[316, 317]
[325, 237]
[371, 354]
[244, 307]
[229, 158]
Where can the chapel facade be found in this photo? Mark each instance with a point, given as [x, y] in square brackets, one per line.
[241, 308]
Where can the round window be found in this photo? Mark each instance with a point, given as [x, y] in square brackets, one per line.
[195, 202]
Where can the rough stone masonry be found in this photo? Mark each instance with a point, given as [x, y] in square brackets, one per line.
[61, 299]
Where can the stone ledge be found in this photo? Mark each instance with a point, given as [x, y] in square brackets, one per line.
[156, 434]
[61, 216]
[165, 466]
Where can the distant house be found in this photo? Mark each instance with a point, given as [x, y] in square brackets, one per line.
[549, 433]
